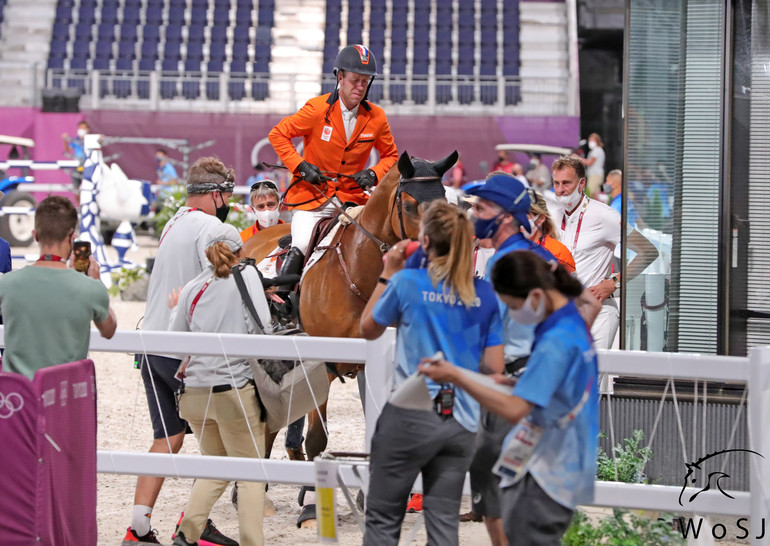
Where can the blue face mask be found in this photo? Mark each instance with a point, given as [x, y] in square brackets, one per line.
[486, 229]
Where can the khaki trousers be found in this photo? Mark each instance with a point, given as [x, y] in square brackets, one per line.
[219, 424]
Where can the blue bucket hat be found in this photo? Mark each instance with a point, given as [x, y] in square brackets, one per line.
[507, 192]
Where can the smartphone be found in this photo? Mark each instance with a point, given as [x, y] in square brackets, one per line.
[82, 252]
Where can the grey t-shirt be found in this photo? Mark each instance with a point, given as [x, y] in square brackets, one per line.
[48, 314]
[219, 309]
[181, 257]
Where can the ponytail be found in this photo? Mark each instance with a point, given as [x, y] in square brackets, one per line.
[520, 271]
[222, 258]
[451, 238]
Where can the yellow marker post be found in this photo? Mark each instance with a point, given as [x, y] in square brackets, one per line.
[326, 502]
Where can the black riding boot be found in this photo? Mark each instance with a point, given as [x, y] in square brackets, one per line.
[292, 265]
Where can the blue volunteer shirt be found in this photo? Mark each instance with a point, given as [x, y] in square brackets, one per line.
[560, 369]
[429, 320]
[518, 337]
[167, 175]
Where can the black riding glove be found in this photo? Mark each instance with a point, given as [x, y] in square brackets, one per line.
[310, 173]
[365, 179]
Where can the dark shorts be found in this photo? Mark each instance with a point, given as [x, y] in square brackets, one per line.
[485, 484]
[530, 516]
[159, 379]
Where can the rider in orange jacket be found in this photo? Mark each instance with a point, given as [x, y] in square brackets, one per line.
[339, 130]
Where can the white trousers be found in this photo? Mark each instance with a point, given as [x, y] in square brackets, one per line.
[303, 221]
[603, 331]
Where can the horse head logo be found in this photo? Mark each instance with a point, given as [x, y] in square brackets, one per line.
[713, 479]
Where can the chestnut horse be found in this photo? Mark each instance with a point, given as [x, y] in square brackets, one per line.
[328, 305]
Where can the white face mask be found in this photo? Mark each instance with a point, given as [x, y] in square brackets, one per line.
[82, 133]
[526, 314]
[570, 201]
[267, 218]
[591, 144]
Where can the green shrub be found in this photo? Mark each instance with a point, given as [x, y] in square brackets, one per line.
[177, 199]
[630, 459]
[125, 276]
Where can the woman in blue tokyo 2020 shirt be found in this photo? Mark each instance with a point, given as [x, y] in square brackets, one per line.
[438, 308]
[548, 461]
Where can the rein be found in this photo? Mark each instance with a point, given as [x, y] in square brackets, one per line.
[398, 201]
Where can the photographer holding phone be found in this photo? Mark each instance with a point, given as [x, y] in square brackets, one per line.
[438, 308]
[47, 306]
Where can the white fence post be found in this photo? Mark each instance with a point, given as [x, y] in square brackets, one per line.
[759, 440]
[379, 373]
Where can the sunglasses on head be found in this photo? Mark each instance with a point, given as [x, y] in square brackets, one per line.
[266, 183]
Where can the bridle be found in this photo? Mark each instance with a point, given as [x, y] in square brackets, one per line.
[398, 202]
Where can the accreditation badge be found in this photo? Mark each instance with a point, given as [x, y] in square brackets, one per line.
[327, 133]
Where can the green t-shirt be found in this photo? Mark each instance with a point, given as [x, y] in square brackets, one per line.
[47, 314]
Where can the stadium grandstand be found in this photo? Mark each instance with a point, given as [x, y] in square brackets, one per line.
[464, 56]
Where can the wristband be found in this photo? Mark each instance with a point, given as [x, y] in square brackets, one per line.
[383, 280]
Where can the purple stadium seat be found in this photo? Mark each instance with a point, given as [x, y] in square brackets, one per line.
[245, 3]
[221, 16]
[241, 34]
[81, 49]
[56, 62]
[58, 49]
[218, 34]
[238, 66]
[262, 52]
[236, 89]
[196, 33]
[191, 88]
[421, 67]
[103, 48]
[443, 37]
[264, 35]
[78, 63]
[240, 51]
[168, 88]
[212, 88]
[259, 90]
[106, 32]
[121, 87]
[192, 65]
[265, 16]
[261, 67]
[83, 31]
[101, 63]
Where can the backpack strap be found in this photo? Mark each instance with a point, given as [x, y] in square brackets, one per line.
[238, 276]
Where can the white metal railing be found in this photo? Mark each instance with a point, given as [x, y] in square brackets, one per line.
[250, 92]
[378, 356]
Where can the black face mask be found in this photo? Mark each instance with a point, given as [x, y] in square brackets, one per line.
[222, 211]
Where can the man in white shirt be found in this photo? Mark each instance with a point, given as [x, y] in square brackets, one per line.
[181, 257]
[591, 230]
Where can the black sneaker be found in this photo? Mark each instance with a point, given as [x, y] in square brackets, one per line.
[180, 540]
[212, 537]
[132, 538]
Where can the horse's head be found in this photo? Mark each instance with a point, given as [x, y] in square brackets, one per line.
[419, 182]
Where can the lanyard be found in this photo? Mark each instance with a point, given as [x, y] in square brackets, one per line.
[580, 223]
[564, 421]
[198, 296]
[172, 222]
[50, 258]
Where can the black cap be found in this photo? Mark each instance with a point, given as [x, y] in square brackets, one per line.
[356, 58]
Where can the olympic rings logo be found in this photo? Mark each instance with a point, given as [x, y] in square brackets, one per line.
[10, 404]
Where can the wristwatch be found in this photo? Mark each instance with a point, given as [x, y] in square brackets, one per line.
[616, 279]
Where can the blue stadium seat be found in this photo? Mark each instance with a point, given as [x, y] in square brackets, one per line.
[259, 90]
[133, 3]
[109, 15]
[151, 33]
[212, 87]
[262, 52]
[78, 63]
[465, 36]
[444, 17]
[147, 63]
[195, 51]
[101, 63]
[217, 51]
[173, 33]
[176, 15]
[264, 35]
[81, 49]
[464, 68]
[243, 17]
[421, 67]
[221, 16]
[240, 51]
[237, 66]
[149, 50]
[375, 93]
[465, 54]
[124, 63]
[168, 87]
[261, 67]
[169, 65]
[121, 87]
[171, 51]
[58, 49]
[443, 37]
[103, 48]
[63, 14]
[153, 15]
[241, 34]
[198, 16]
[265, 17]
[236, 89]
[61, 31]
[217, 65]
[218, 34]
[128, 32]
[196, 33]
[191, 87]
[55, 62]
[86, 14]
[131, 15]
[245, 3]
[83, 31]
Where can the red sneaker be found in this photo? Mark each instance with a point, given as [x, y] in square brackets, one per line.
[415, 504]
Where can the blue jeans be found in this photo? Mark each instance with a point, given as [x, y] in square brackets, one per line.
[294, 436]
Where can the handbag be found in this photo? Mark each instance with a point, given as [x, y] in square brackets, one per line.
[288, 389]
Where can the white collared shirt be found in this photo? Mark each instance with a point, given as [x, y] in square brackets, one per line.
[349, 118]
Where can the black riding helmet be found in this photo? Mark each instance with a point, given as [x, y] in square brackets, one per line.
[358, 59]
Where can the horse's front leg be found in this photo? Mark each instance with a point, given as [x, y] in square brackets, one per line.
[316, 440]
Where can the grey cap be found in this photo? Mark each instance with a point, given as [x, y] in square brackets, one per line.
[226, 233]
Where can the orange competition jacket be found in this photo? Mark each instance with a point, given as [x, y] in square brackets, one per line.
[326, 148]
